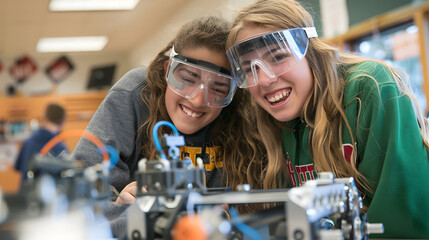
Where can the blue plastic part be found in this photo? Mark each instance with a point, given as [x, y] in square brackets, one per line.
[114, 155]
[245, 229]
[155, 135]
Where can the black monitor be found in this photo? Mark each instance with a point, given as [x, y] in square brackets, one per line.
[101, 77]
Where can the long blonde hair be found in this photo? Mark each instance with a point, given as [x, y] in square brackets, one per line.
[323, 110]
[235, 125]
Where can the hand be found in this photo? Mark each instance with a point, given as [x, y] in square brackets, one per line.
[128, 194]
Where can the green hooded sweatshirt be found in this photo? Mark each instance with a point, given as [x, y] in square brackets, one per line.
[391, 153]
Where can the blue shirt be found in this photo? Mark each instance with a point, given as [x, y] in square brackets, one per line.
[33, 145]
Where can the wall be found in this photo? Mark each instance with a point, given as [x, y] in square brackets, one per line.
[143, 55]
[358, 10]
[76, 82]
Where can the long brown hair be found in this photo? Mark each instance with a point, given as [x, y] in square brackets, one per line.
[234, 127]
[323, 110]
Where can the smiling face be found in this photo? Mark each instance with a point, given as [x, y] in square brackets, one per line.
[191, 115]
[283, 96]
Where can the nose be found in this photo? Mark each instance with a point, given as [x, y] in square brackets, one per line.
[198, 99]
[264, 79]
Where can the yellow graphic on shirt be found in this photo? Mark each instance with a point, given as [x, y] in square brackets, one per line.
[214, 153]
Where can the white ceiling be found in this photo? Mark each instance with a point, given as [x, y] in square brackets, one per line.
[23, 22]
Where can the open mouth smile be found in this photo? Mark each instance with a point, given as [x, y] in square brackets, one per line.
[190, 112]
[278, 97]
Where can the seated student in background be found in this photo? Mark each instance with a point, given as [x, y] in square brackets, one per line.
[324, 110]
[50, 126]
[189, 84]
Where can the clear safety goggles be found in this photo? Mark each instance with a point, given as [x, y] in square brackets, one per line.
[186, 76]
[275, 53]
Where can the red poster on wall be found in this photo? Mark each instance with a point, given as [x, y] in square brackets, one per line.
[22, 69]
[59, 69]
[1, 66]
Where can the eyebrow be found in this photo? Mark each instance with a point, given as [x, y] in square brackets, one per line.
[221, 84]
[190, 72]
[263, 56]
[270, 51]
[245, 63]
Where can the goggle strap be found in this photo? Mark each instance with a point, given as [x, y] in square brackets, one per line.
[200, 63]
[311, 32]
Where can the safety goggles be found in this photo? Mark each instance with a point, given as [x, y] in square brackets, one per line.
[186, 76]
[275, 53]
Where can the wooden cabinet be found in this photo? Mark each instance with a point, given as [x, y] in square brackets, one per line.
[21, 110]
[79, 107]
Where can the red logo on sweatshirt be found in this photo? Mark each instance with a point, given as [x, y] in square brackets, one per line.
[347, 151]
[306, 172]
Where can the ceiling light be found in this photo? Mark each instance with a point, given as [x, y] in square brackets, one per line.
[91, 5]
[71, 44]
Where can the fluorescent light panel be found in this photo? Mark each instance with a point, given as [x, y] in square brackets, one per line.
[92, 5]
[71, 44]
